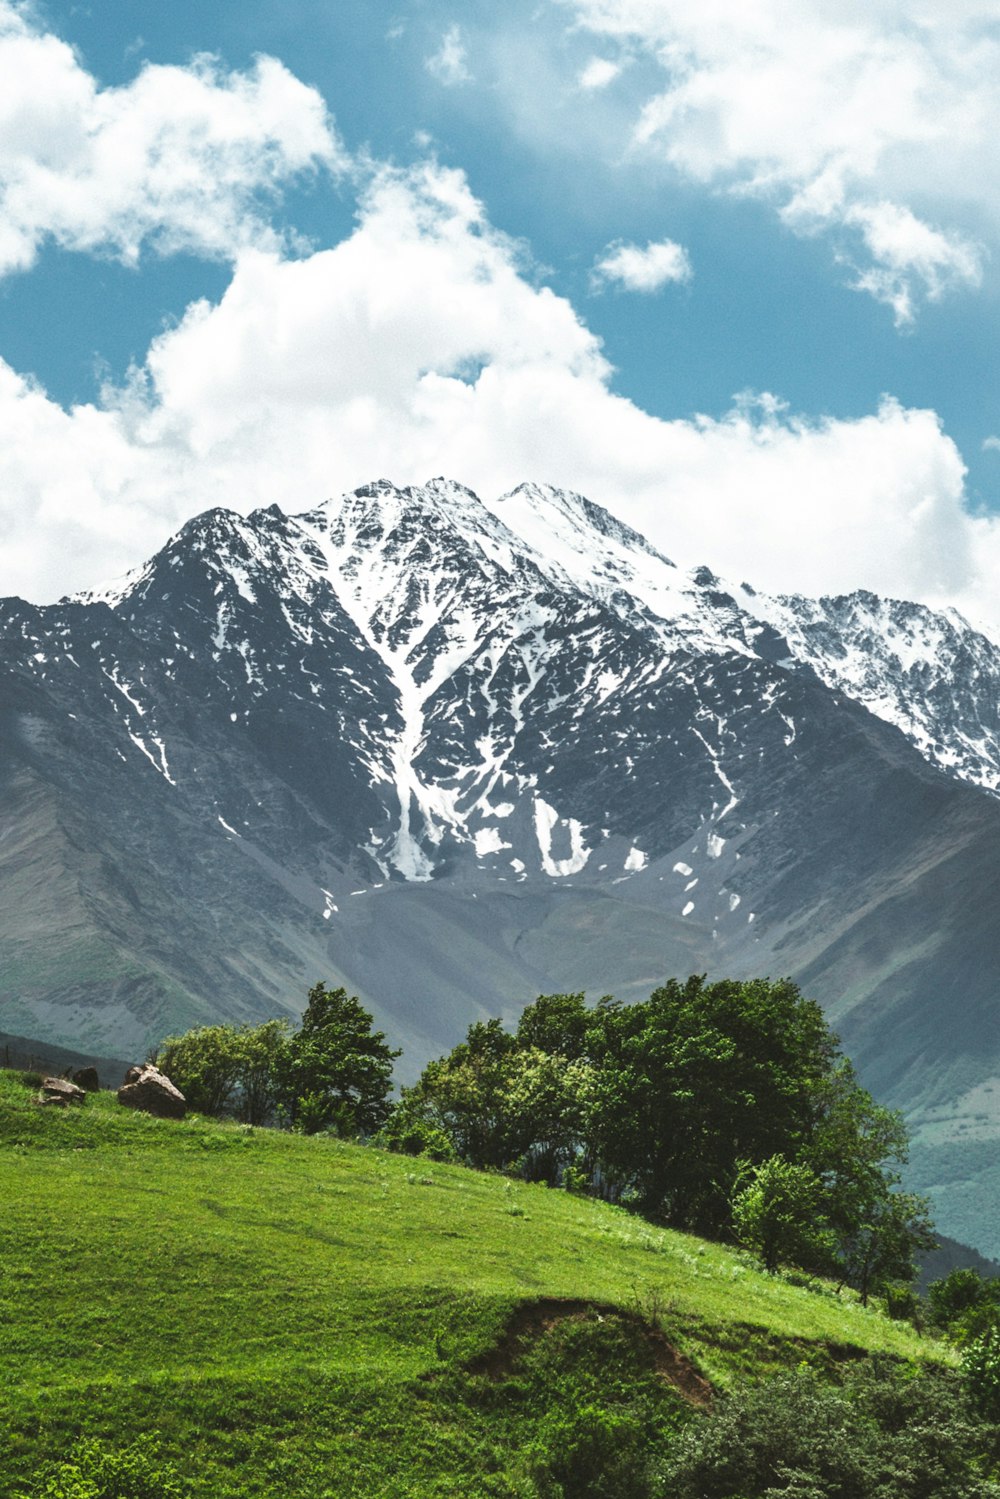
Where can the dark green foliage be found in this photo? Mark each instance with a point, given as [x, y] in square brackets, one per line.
[981, 1370]
[963, 1304]
[335, 1072]
[696, 1080]
[228, 1069]
[887, 1433]
[778, 1213]
[94, 1472]
[721, 1108]
[501, 1103]
[412, 1135]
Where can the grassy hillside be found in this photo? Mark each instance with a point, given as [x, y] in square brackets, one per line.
[306, 1318]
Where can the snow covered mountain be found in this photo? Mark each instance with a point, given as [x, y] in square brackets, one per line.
[454, 753]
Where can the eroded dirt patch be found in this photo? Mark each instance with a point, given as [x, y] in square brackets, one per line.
[534, 1319]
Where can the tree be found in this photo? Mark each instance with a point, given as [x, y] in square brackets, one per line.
[856, 1150]
[777, 1212]
[696, 1080]
[335, 1071]
[892, 1228]
[261, 1052]
[228, 1068]
[503, 1101]
[205, 1065]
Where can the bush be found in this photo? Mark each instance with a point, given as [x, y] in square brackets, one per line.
[93, 1472]
[889, 1433]
[408, 1134]
[981, 1371]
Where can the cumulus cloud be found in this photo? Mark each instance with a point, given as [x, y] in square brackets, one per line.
[872, 123]
[643, 269]
[448, 64]
[179, 159]
[599, 72]
[422, 344]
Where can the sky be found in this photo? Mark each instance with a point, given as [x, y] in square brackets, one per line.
[729, 270]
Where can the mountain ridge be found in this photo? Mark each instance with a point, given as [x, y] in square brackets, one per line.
[454, 753]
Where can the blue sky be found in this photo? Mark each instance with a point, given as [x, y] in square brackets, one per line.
[233, 282]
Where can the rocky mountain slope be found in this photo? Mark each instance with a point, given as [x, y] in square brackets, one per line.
[453, 754]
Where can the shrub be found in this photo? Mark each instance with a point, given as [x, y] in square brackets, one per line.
[889, 1433]
[93, 1472]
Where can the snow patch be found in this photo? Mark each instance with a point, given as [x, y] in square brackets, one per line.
[488, 841]
[546, 821]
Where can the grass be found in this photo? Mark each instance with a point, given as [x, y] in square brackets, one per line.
[306, 1318]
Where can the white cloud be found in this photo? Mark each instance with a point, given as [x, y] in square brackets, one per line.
[420, 345]
[448, 64]
[991, 444]
[179, 159]
[599, 72]
[643, 270]
[875, 123]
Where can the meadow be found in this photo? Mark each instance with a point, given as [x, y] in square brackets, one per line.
[305, 1317]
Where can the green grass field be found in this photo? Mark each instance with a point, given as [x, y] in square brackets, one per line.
[304, 1318]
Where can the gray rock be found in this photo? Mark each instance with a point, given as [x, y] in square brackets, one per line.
[148, 1089]
[58, 1090]
[87, 1079]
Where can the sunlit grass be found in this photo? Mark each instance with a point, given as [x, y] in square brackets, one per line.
[257, 1298]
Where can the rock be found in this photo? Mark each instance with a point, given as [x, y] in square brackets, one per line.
[87, 1079]
[59, 1090]
[147, 1088]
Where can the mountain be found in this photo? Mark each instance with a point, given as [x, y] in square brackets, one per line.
[453, 754]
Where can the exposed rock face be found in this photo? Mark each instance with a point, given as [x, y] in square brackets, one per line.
[57, 1090]
[147, 1088]
[87, 1079]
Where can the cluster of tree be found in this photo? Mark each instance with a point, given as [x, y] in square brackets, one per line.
[726, 1109]
[333, 1073]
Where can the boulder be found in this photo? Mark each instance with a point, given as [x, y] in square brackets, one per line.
[87, 1079]
[59, 1091]
[148, 1089]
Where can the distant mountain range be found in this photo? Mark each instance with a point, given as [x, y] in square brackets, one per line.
[453, 754]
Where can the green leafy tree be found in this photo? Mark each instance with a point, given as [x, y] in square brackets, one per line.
[696, 1080]
[857, 1148]
[336, 1072]
[891, 1230]
[778, 1213]
[964, 1304]
[261, 1052]
[501, 1102]
[205, 1065]
[228, 1068]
